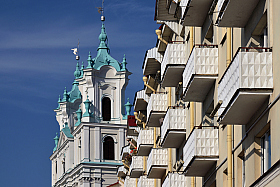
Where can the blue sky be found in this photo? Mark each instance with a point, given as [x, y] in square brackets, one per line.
[37, 63]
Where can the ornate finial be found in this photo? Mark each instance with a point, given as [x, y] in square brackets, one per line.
[89, 60]
[79, 116]
[59, 100]
[124, 64]
[87, 106]
[128, 106]
[55, 142]
[65, 96]
[103, 36]
[77, 72]
[81, 70]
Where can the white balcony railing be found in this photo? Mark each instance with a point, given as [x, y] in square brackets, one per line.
[174, 54]
[158, 102]
[136, 163]
[129, 182]
[125, 149]
[174, 119]
[174, 26]
[145, 182]
[157, 157]
[121, 171]
[152, 61]
[133, 137]
[174, 179]
[202, 61]
[142, 95]
[146, 136]
[202, 143]
[249, 70]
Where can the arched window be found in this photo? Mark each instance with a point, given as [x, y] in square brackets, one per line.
[106, 109]
[108, 148]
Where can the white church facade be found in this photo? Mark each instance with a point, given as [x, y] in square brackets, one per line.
[93, 122]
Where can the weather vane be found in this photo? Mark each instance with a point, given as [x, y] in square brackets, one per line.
[76, 50]
[101, 11]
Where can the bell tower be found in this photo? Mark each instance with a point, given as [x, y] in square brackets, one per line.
[92, 119]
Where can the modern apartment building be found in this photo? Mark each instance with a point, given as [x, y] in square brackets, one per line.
[209, 111]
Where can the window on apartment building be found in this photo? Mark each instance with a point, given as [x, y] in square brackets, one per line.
[106, 109]
[265, 152]
[108, 148]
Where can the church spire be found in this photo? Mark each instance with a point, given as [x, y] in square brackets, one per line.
[103, 38]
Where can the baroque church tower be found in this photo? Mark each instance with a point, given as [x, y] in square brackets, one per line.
[92, 119]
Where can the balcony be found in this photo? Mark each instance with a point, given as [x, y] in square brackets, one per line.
[235, 13]
[174, 26]
[200, 73]
[172, 6]
[141, 100]
[145, 182]
[136, 167]
[167, 32]
[125, 151]
[201, 151]
[121, 172]
[145, 142]
[195, 11]
[152, 61]
[156, 109]
[173, 129]
[125, 156]
[174, 179]
[162, 11]
[152, 82]
[130, 182]
[132, 128]
[246, 84]
[142, 115]
[173, 64]
[157, 163]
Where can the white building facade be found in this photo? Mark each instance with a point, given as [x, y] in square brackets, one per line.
[93, 121]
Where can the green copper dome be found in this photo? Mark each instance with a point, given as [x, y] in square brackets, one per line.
[103, 57]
